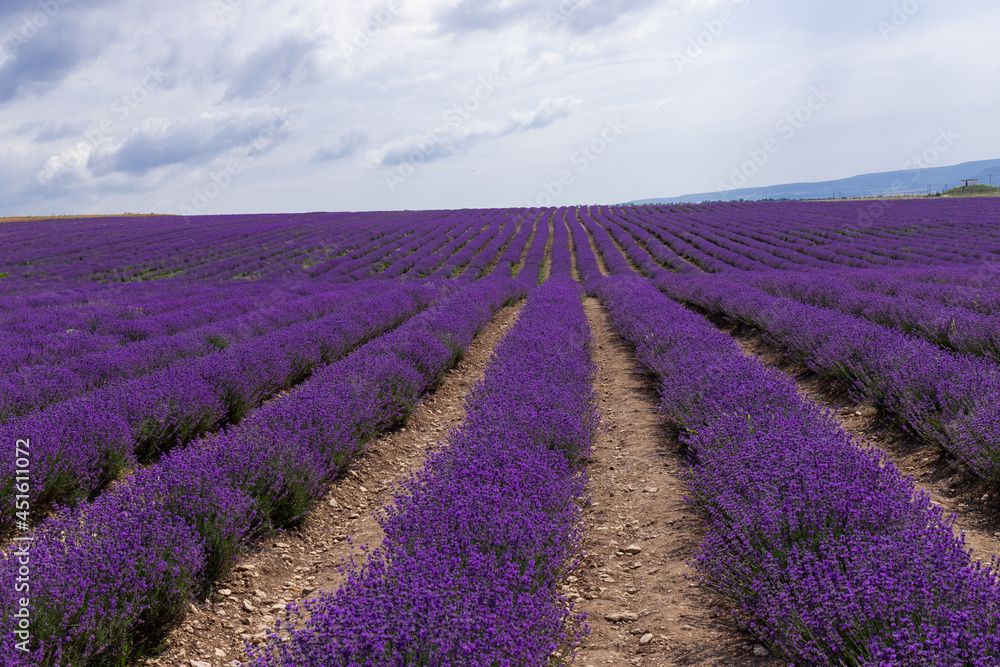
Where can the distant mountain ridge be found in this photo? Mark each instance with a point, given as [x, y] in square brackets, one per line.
[887, 182]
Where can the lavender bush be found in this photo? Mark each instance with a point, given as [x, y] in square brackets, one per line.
[828, 553]
[476, 544]
[947, 398]
[182, 522]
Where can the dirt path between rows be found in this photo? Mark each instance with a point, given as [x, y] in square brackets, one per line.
[638, 506]
[649, 226]
[574, 270]
[549, 244]
[295, 565]
[527, 248]
[645, 246]
[601, 265]
[491, 267]
[628, 260]
[975, 503]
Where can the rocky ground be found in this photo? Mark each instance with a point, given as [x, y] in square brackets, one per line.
[642, 598]
[296, 565]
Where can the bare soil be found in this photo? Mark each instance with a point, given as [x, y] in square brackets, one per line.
[297, 564]
[601, 266]
[628, 260]
[547, 262]
[645, 246]
[527, 247]
[491, 267]
[574, 271]
[638, 501]
[672, 249]
[974, 502]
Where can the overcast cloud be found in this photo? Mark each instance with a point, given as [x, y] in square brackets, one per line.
[224, 106]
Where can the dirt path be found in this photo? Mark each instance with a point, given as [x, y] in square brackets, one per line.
[638, 502]
[601, 266]
[647, 225]
[295, 565]
[496, 258]
[975, 503]
[549, 244]
[628, 260]
[491, 267]
[516, 269]
[574, 271]
[645, 246]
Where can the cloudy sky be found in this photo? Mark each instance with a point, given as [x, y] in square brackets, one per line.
[233, 106]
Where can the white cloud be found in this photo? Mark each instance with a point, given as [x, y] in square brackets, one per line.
[346, 143]
[160, 143]
[563, 67]
[458, 137]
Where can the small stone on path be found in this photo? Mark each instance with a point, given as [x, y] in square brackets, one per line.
[622, 616]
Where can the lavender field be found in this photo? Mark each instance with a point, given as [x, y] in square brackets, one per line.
[182, 395]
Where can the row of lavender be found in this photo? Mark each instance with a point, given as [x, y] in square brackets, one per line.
[128, 249]
[476, 544]
[964, 328]
[110, 577]
[61, 374]
[44, 329]
[83, 443]
[530, 272]
[110, 323]
[276, 248]
[810, 235]
[76, 340]
[166, 390]
[124, 312]
[948, 398]
[49, 327]
[951, 306]
[828, 553]
[974, 288]
[716, 237]
[722, 238]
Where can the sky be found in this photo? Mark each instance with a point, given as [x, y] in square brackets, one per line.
[255, 106]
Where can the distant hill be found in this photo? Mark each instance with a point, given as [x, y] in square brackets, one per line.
[981, 190]
[888, 182]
